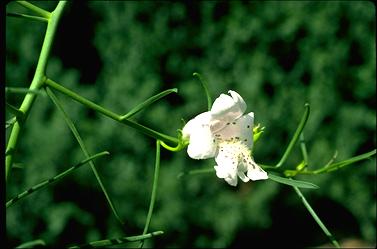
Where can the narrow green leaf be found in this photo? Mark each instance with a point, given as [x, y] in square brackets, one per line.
[154, 191]
[341, 164]
[303, 149]
[205, 86]
[148, 102]
[117, 241]
[58, 177]
[291, 182]
[110, 114]
[39, 11]
[296, 135]
[196, 172]
[316, 218]
[15, 111]
[30, 17]
[31, 244]
[10, 122]
[76, 134]
[20, 90]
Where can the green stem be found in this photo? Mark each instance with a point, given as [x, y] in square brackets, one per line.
[85, 151]
[295, 136]
[53, 179]
[316, 218]
[117, 241]
[154, 191]
[37, 81]
[109, 113]
[35, 9]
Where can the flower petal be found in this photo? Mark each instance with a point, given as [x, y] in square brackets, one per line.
[255, 172]
[226, 109]
[238, 130]
[242, 176]
[227, 160]
[232, 181]
[238, 100]
[202, 142]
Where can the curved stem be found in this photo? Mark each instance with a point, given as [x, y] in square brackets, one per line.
[37, 81]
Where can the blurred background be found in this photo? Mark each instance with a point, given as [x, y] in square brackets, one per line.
[277, 55]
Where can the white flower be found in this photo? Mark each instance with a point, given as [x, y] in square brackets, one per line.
[225, 133]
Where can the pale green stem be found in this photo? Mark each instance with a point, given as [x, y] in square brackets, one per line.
[154, 191]
[109, 113]
[37, 81]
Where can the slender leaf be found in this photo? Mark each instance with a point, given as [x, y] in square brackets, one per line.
[10, 122]
[31, 244]
[205, 86]
[58, 177]
[341, 164]
[148, 102]
[154, 191]
[39, 11]
[21, 90]
[196, 172]
[117, 241]
[84, 150]
[295, 137]
[30, 17]
[316, 218]
[15, 111]
[291, 182]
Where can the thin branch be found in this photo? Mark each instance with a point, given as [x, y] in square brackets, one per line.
[58, 177]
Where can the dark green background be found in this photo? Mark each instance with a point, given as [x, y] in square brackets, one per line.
[277, 55]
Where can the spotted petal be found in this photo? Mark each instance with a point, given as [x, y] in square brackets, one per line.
[227, 163]
[202, 142]
[238, 130]
[255, 172]
[226, 109]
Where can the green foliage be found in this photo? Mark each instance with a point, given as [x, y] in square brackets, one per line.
[277, 55]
